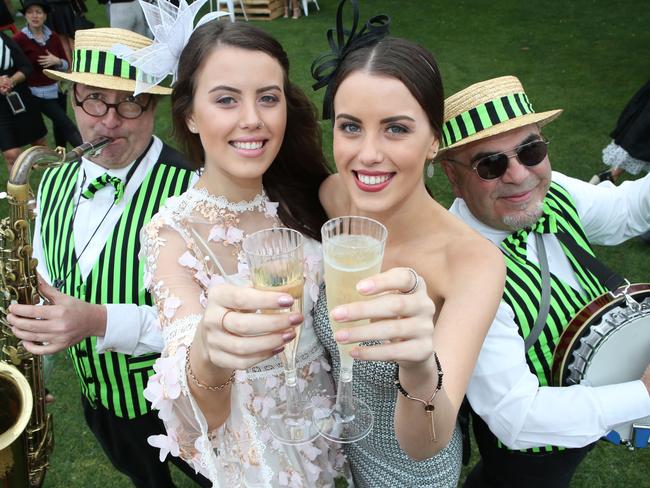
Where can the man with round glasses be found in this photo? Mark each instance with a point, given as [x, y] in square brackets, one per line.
[87, 243]
[129, 108]
[530, 433]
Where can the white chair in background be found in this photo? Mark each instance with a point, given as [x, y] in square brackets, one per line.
[230, 5]
[304, 6]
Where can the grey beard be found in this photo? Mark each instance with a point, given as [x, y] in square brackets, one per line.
[525, 219]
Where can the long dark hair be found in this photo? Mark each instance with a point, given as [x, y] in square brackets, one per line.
[406, 61]
[294, 177]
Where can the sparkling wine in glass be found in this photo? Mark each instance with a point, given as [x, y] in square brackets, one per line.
[275, 261]
[353, 249]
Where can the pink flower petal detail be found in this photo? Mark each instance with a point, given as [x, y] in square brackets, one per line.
[189, 261]
[283, 478]
[314, 367]
[168, 444]
[296, 481]
[217, 233]
[234, 235]
[154, 391]
[313, 261]
[310, 451]
[203, 278]
[271, 382]
[314, 291]
[170, 306]
[271, 209]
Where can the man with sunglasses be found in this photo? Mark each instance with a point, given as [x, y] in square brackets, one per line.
[87, 242]
[530, 433]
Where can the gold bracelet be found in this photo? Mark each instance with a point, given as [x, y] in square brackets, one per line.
[195, 380]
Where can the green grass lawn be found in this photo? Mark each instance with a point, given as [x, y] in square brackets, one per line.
[585, 56]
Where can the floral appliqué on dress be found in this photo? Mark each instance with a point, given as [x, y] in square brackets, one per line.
[194, 242]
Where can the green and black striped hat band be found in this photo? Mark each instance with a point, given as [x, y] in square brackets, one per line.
[105, 63]
[485, 116]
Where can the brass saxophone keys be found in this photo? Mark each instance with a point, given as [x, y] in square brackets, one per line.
[13, 354]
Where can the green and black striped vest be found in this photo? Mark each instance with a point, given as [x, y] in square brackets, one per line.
[523, 284]
[114, 380]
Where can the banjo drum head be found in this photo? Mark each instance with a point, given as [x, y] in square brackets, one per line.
[611, 346]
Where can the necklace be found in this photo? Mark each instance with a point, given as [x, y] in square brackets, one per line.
[206, 217]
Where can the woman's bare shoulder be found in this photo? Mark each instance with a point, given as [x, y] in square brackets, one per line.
[459, 253]
[471, 250]
[476, 265]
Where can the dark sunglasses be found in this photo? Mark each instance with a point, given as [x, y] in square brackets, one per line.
[495, 165]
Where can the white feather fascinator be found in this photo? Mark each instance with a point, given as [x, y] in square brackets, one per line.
[172, 27]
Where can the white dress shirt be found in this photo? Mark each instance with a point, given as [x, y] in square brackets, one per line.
[130, 329]
[503, 391]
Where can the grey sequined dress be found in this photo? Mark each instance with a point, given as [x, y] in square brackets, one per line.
[378, 460]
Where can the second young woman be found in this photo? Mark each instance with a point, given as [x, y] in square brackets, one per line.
[387, 115]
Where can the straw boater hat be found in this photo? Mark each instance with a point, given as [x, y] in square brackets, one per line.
[93, 64]
[486, 109]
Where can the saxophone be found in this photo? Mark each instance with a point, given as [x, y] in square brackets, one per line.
[26, 438]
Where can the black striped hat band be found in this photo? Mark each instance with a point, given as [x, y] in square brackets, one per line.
[105, 63]
[485, 116]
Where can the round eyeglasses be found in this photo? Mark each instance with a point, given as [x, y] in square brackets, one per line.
[96, 107]
[495, 165]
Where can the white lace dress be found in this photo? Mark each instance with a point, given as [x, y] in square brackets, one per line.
[241, 452]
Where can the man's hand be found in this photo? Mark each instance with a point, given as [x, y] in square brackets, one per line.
[46, 329]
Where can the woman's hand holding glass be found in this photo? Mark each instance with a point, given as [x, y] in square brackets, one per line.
[234, 335]
[402, 321]
[276, 262]
[401, 330]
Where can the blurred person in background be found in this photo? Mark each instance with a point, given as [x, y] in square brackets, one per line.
[43, 48]
[629, 149]
[127, 14]
[6, 17]
[26, 127]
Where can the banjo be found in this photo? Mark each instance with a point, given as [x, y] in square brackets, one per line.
[608, 342]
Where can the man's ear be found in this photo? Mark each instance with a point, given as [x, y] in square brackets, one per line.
[452, 176]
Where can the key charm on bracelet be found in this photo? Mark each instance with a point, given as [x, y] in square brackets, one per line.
[429, 407]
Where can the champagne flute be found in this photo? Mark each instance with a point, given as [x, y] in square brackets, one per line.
[353, 249]
[275, 261]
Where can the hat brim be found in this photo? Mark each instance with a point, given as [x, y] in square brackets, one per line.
[104, 81]
[46, 8]
[541, 119]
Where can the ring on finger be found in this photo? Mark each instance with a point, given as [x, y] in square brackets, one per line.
[223, 319]
[416, 283]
